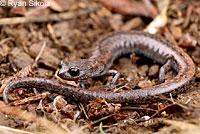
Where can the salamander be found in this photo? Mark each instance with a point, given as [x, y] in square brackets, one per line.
[106, 50]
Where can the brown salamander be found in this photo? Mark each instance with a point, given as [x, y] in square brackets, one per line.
[107, 49]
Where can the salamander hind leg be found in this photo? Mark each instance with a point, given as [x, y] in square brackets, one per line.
[115, 75]
[165, 68]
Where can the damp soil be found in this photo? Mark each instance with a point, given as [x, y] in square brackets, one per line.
[73, 39]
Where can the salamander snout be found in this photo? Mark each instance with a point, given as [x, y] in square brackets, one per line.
[71, 70]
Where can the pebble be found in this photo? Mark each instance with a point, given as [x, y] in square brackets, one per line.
[21, 60]
[153, 70]
[145, 84]
[143, 70]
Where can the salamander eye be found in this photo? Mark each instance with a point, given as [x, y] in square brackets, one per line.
[74, 71]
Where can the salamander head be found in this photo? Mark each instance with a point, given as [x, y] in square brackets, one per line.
[74, 70]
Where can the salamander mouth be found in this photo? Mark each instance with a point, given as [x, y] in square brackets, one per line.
[64, 76]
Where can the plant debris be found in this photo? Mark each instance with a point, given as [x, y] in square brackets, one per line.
[35, 39]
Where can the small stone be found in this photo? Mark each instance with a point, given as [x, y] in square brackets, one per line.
[153, 70]
[36, 48]
[32, 126]
[196, 55]
[116, 22]
[144, 84]
[60, 103]
[176, 22]
[48, 57]
[50, 60]
[169, 75]
[64, 5]
[176, 32]
[188, 41]
[143, 70]
[198, 73]
[22, 60]
[69, 110]
[132, 24]
[44, 72]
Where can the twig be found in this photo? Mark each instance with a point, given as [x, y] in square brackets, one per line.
[76, 115]
[82, 108]
[172, 98]
[29, 99]
[160, 20]
[46, 18]
[124, 86]
[35, 10]
[40, 53]
[169, 36]
[51, 31]
[137, 108]
[127, 7]
[4, 40]
[21, 74]
[41, 50]
[49, 127]
[54, 104]
[188, 101]
[8, 129]
[187, 19]
[92, 123]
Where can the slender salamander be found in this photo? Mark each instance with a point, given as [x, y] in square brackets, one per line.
[106, 50]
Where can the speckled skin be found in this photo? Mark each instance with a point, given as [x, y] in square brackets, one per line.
[107, 49]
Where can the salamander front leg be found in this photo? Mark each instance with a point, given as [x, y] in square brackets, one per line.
[115, 75]
[82, 83]
[164, 69]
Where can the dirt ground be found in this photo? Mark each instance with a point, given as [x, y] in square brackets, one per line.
[71, 38]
